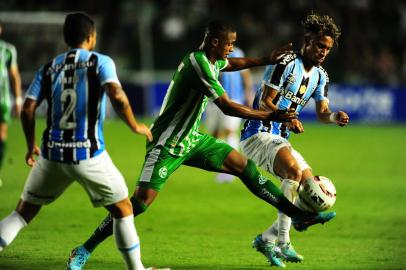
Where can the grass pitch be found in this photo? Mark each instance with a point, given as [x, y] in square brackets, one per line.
[198, 224]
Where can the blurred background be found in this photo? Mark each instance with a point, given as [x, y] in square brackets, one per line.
[147, 39]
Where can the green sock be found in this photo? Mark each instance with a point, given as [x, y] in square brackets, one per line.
[266, 190]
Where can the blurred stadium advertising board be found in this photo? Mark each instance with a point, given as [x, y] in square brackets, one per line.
[362, 103]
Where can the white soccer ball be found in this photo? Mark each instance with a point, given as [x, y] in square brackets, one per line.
[316, 195]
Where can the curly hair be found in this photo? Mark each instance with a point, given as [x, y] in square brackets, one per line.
[321, 24]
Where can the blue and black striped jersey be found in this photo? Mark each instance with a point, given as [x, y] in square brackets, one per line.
[295, 87]
[72, 85]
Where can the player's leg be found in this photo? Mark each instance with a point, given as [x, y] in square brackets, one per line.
[157, 167]
[288, 169]
[45, 183]
[214, 155]
[3, 145]
[11, 225]
[231, 125]
[5, 115]
[127, 240]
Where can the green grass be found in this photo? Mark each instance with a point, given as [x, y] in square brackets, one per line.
[198, 224]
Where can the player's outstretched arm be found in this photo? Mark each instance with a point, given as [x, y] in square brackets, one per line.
[248, 62]
[122, 106]
[231, 108]
[28, 123]
[325, 115]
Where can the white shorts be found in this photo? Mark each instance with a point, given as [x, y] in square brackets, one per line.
[217, 120]
[100, 178]
[263, 147]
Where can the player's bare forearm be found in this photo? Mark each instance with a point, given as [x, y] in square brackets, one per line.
[232, 108]
[235, 64]
[238, 110]
[28, 123]
[122, 107]
[248, 62]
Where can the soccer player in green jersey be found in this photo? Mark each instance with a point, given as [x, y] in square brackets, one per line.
[177, 139]
[8, 73]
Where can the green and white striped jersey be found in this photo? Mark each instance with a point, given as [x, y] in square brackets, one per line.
[8, 58]
[194, 82]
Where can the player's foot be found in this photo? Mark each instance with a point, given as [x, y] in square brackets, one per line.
[78, 258]
[222, 178]
[268, 250]
[288, 253]
[302, 223]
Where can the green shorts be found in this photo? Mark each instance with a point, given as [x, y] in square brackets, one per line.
[209, 154]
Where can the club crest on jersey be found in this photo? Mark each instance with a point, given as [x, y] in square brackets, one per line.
[291, 78]
[302, 89]
[163, 172]
[262, 180]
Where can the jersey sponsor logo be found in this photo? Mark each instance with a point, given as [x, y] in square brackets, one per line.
[70, 66]
[268, 196]
[84, 144]
[287, 58]
[262, 179]
[163, 172]
[292, 97]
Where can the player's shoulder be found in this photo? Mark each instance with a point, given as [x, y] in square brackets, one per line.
[7, 44]
[323, 73]
[101, 58]
[287, 58]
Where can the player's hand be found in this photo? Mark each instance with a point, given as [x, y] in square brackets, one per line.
[30, 156]
[278, 53]
[282, 116]
[342, 118]
[295, 126]
[144, 130]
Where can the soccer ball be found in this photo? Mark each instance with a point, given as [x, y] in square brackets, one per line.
[316, 195]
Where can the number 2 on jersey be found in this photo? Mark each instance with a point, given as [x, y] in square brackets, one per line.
[69, 108]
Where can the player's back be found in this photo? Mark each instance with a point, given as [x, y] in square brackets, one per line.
[72, 85]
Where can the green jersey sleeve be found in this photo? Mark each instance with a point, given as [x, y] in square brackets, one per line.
[11, 56]
[208, 74]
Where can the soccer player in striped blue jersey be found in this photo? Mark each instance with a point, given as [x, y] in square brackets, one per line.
[75, 85]
[178, 141]
[289, 84]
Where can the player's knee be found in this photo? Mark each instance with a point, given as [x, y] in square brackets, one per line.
[120, 209]
[139, 206]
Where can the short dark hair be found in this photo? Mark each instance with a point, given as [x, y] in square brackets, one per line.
[77, 27]
[321, 25]
[218, 28]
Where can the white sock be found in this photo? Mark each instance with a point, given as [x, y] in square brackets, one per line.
[271, 234]
[127, 242]
[10, 227]
[289, 189]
